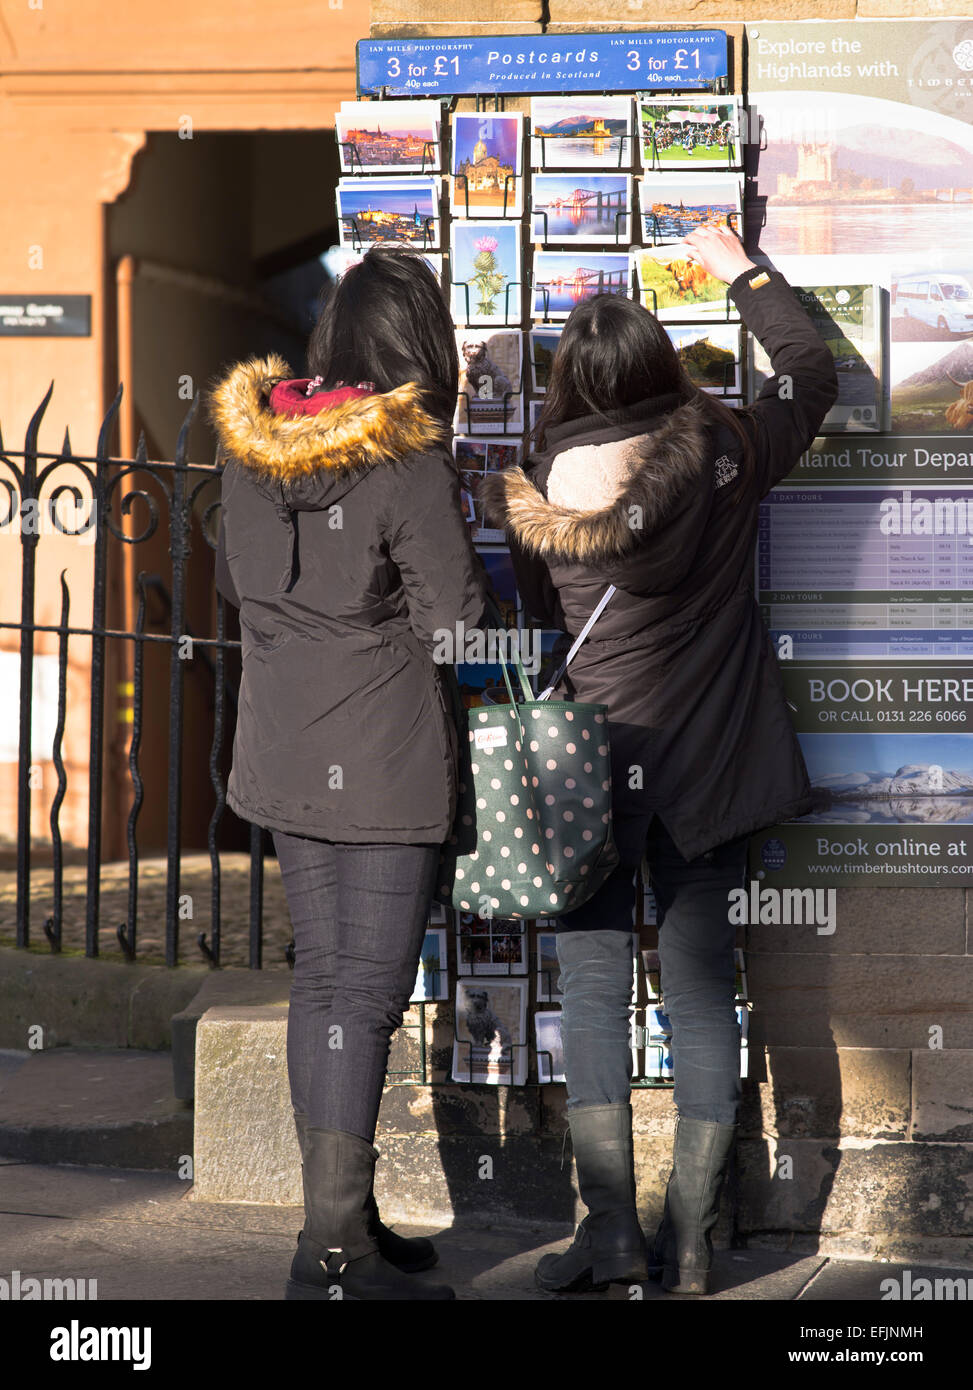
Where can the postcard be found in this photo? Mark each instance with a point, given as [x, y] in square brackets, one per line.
[373, 212]
[581, 132]
[485, 272]
[689, 132]
[490, 399]
[591, 208]
[543, 346]
[491, 1032]
[550, 1051]
[487, 164]
[432, 978]
[548, 968]
[490, 945]
[563, 279]
[474, 459]
[392, 136]
[480, 683]
[848, 319]
[672, 285]
[652, 971]
[670, 207]
[711, 355]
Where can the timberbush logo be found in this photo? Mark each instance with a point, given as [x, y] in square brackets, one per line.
[963, 55]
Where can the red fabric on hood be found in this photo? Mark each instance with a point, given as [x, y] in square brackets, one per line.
[291, 398]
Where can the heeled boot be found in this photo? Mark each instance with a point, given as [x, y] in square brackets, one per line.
[410, 1254]
[609, 1246]
[682, 1252]
[337, 1251]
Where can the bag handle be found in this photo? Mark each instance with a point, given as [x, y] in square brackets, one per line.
[494, 611]
[546, 694]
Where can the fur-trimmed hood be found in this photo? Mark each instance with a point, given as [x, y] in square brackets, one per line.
[347, 438]
[603, 499]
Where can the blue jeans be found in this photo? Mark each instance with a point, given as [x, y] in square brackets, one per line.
[696, 941]
[359, 915]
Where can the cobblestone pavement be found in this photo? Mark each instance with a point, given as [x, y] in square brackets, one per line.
[196, 881]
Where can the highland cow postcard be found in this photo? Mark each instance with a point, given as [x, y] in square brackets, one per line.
[489, 400]
[373, 212]
[671, 208]
[582, 132]
[689, 133]
[392, 136]
[487, 164]
[710, 354]
[490, 1043]
[563, 279]
[543, 346]
[673, 285]
[485, 272]
[592, 208]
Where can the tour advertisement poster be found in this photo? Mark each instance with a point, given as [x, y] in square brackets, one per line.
[861, 144]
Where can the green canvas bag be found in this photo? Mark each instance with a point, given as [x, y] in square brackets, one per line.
[532, 836]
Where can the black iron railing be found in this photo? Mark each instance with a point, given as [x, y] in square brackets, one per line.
[29, 477]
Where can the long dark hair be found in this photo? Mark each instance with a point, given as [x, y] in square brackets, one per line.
[614, 353]
[386, 321]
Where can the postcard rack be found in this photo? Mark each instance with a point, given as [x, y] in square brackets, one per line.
[486, 434]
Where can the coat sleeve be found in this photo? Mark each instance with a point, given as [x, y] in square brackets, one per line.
[535, 586]
[792, 404]
[224, 581]
[429, 540]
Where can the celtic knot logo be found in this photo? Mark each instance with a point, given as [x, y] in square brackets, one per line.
[963, 55]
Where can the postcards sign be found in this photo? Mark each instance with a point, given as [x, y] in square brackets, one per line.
[692, 60]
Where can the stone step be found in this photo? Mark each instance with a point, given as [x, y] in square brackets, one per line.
[112, 1107]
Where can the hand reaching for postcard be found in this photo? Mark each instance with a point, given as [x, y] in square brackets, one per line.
[720, 251]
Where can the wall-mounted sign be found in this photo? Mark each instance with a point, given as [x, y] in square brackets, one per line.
[688, 60]
[45, 315]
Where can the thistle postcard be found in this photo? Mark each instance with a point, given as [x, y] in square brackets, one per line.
[485, 272]
[487, 164]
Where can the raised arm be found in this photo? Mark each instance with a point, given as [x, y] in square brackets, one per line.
[793, 402]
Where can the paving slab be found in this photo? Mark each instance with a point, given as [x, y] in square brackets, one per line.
[140, 1236]
[861, 1281]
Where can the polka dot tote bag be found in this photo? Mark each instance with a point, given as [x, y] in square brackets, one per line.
[532, 836]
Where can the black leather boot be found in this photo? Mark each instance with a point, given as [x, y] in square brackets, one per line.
[609, 1246]
[408, 1253]
[337, 1255]
[682, 1253]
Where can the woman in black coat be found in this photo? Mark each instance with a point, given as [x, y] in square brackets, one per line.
[642, 481]
[344, 546]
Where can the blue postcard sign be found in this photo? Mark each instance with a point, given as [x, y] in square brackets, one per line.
[669, 60]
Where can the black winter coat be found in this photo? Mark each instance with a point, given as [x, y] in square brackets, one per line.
[344, 546]
[700, 732]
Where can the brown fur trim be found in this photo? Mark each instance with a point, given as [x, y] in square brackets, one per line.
[673, 461]
[354, 434]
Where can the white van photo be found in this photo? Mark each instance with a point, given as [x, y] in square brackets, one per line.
[937, 298]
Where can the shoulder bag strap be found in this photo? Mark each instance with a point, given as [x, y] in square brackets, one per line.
[582, 635]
